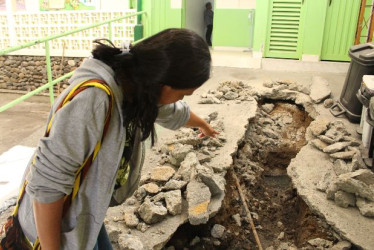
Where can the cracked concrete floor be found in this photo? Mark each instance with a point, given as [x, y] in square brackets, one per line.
[24, 124]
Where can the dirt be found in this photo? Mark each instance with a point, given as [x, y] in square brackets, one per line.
[281, 217]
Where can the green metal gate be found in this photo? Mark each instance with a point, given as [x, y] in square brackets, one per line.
[340, 29]
[284, 35]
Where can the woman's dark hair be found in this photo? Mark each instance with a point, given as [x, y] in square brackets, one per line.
[178, 58]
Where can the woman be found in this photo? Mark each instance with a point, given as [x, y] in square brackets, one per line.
[148, 82]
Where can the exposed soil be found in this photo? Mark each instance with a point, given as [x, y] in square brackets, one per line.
[281, 217]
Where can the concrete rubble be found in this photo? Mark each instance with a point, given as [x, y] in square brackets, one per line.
[185, 181]
[350, 179]
[188, 185]
[189, 182]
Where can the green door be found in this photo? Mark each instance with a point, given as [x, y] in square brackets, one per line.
[340, 29]
[161, 14]
[284, 34]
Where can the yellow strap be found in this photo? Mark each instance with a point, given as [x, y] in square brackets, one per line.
[66, 100]
[76, 186]
[36, 245]
[15, 211]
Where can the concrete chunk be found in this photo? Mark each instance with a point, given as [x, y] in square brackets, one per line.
[215, 183]
[173, 201]
[327, 179]
[340, 167]
[360, 182]
[319, 89]
[218, 231]
[344, 199]
[348, 155]
[342, 245]
[198, 198]
[174, 184]
[186, 167]
[151, 188]
[178, 152]
[318, 127]
[130, 219]
[162, 173]
[152, 213]
[318, 144]
[366, 207]
[326, 139]
[129, 242]
[336, 147]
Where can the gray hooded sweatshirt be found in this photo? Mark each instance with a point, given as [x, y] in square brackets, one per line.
[75, 131]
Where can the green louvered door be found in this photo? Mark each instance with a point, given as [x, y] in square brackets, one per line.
[284, 35]
[340, 29]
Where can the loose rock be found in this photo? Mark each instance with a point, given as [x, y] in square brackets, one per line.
[198, 198]
[218, 231]
[152, 213]
[162, 173]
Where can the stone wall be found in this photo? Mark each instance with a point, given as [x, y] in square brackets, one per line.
[27, 73]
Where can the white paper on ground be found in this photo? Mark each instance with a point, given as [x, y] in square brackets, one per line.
[12, 165]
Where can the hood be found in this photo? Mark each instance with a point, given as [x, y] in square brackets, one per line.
[95, 69]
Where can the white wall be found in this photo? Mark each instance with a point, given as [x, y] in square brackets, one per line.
[236, 4]
[195, 15]
[112, 5]
[107, 5]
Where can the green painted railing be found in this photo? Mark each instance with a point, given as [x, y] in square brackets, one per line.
[46, 40]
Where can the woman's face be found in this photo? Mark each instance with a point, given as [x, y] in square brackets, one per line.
[170, 95]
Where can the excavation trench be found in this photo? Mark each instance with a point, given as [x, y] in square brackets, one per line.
[282, 219]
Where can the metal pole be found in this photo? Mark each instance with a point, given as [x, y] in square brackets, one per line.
[110, 31]
[49, 71]
[138, 29]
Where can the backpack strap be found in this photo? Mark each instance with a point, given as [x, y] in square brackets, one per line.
[83, 169]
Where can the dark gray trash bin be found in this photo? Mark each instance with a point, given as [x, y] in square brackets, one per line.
[362, 63]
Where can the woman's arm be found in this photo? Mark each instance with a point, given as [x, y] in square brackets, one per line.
[48, 223]
[205, 128]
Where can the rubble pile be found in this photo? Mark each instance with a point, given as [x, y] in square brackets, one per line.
[228, 90]
[183, 182]
[351, 183]
[239, 92]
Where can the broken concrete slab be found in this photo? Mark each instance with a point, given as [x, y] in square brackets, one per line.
[215, 183]
[360, 182]
[236, 118]
[198, 198]
[304, 172]
[319, 89]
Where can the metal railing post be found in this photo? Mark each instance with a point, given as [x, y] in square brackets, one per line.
[49, 71]
[110, 31]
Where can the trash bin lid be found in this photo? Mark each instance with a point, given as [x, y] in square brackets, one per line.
[368, 81]
[364, 53]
